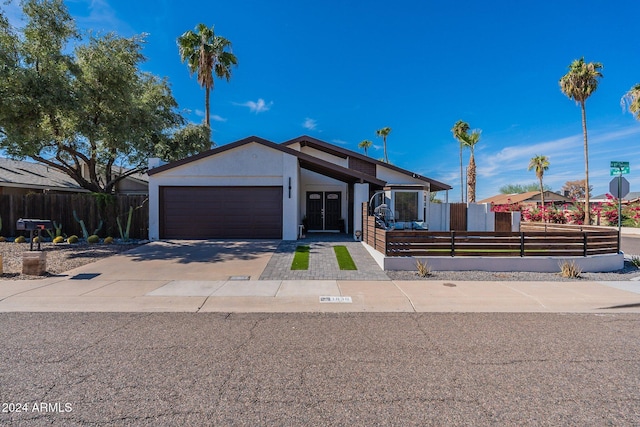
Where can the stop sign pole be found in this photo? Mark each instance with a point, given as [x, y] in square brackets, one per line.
[619, 189]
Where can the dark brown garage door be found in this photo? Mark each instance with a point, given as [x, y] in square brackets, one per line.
[220, 212]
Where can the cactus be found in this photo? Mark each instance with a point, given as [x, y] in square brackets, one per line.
[58, 239]
[72, 239]
[58, 228]
[2, 239]
[108, 240]
[0, 223]
[20, 239]
[93, 239]
[85, 233]
[125, 236]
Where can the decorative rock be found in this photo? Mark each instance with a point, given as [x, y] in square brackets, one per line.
[34, 263]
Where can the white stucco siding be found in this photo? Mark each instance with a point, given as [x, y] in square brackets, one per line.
[394, 177]
[249, 165]
[325, 156]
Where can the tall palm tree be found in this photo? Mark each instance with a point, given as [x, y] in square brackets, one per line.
[631, 101]
[459, 130]
[206, 54]
[365, 144]
[384, 132]
[578, 84]
[539, 164]
[470, 140]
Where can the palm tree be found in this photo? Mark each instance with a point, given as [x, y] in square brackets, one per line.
[631, 101]
[540, 164]
[206, 54]
[384, 132]
[578, 84]
[470, 140]
[365, 144]
[459, 129]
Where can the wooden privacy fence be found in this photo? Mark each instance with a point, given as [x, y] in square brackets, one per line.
[89, 208]
[396, 243]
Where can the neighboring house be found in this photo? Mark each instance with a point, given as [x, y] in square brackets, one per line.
[530, 198]
[631, 197]
[254, 188]
[19, 177]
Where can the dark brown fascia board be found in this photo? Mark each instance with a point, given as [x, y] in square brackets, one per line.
[339, 170]
[325, 146]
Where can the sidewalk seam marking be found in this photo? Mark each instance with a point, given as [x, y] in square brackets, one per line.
[405, 295]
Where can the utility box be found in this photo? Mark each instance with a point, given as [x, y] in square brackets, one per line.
[34, 263]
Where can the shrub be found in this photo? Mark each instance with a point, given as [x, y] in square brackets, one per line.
[635, 261]
[20, 239]
[58, 239]
[108, 240]
[72, 239]
[570, 269]
[423, 269]
[93, 239]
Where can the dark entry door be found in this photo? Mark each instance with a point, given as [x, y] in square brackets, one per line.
[332, 210]
[314, 211]
[324, 210]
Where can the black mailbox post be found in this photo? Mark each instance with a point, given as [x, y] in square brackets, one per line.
[33, 225]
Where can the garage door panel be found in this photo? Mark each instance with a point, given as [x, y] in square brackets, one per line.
[220, 212]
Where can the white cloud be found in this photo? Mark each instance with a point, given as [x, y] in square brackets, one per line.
[339, 142]
[258, 106]
[217, 118]
[199, 113]
[309, 124]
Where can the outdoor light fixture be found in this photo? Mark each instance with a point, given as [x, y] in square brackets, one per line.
[289, 187]
[358, 234]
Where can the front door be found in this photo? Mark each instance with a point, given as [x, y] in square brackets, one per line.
[324, 210]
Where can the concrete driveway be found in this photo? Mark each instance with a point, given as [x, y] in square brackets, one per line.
[184, 260]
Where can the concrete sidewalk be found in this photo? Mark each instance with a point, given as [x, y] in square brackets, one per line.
[86, 294]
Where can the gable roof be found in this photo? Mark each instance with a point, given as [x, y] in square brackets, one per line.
[308, 141]
[529, 196]
[22, 174]
[306, 161]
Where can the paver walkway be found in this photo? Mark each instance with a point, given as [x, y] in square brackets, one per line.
[323, 264]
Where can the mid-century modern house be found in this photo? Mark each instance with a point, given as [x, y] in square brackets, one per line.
[254, 188]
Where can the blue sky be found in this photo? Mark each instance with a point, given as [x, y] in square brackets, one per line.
[339, 70]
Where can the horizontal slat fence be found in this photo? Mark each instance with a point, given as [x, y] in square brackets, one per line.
[500, 244]
[89, 208]
[559, 242]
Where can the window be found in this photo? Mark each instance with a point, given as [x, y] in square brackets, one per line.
[406, 205]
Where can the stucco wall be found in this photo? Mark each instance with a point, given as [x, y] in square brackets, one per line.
[248, 165]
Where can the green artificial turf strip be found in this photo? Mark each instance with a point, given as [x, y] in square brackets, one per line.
[344, 258]
[301, 258]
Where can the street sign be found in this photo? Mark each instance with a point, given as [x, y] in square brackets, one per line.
[619, 168]
[619, 189]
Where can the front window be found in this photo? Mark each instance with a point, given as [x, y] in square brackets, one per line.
[406, 206]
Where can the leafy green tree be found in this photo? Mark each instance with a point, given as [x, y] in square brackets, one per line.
[578, 84]
[522, 188]
[92, 114]
[384, 133]
[460, 129]
[206, 54]
[631, 101]
[365, 144]
[540, 164]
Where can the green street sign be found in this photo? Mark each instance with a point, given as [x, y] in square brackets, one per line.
[619, 168]
[619, 171]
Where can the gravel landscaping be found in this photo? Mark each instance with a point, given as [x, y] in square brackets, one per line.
[629, 272]
[60, 257]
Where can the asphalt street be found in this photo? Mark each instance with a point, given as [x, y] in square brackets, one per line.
[160, 369]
